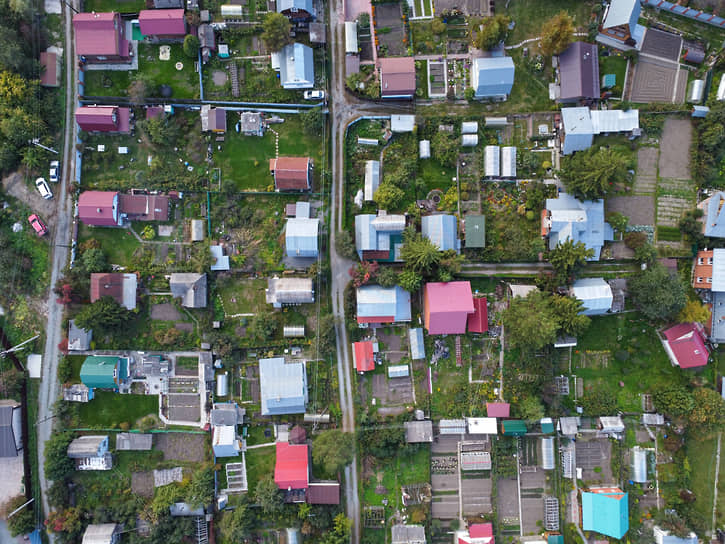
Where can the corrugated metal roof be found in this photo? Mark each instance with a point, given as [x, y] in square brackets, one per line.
[492, 161]
[424, 149]
[469, 127]
[283, 386]
[622, 12]
[718, 270]
[579, 71]
[417, 345]
[351, 47]
[606, 513]
[372, 178]
[296, 70]
[714, 208]
[595, 293]
[639, 465]
[581, 221]
[469, 140]
[548, 461]
[442, 231]
[482, 425]
[492, 77]
[508, 162]
[398, 371]
[577, 120]
[402, 123]
[605, 121]
[301, 237]
[452, 426]
[378, 301]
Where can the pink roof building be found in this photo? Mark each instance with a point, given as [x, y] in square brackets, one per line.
[291, 470]
[363, 356]
[162, 22]
[478, 321]
[99, 208]
[104, 119]
[477, 533]
[397, 77]
[498, 409]
[50, 68]
[447, 306]
[100, 37]
[685, 345]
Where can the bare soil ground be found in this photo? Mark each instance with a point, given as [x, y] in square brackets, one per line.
[182, 446]
[675, 149]
[142, 483]
[15, 186]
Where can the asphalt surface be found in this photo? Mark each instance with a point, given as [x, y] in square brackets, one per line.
[60, 252]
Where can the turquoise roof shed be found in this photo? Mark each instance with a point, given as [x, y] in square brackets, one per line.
[606, 511]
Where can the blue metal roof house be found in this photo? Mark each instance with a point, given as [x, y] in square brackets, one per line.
[492, 77]
[595, 293]
[567, 218]
[714, 215]
[283, 386]
[606, 511]
[301, 237]
[296, 68]
[376, 304]
[297, 10]
[578, 129]
[442, 231]
[379, 237]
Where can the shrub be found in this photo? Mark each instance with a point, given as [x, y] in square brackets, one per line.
[635, 240]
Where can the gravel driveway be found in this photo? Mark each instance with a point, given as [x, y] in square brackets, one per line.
[15, 186]
[675, 149]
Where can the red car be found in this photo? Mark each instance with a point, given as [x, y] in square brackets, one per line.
[38, 225]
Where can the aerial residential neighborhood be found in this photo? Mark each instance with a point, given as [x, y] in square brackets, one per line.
[365, 271]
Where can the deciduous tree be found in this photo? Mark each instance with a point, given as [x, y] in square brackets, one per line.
[568, 256]
[201, 489]
[708, 409]
[263, 325]
[493, 31]
[191, 46]
[673, 400]
[333, 450]
[694, 312]
[23, 521]
[410, 280]
[556, 34]
[444, 147]
[57, 464]
[657, 293]
[388, 196]
[237, 525]
[276, 29]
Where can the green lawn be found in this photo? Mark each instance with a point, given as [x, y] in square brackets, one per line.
[409, 467]
[637, 361]
[260, 464]
[118, 244]
[529, 16]
[184, 82]
[76, 362]
[123, 6]
[111, 409]
[701, 453]
[245, 159]
[187, 362]
[613, 64]
[531, 86]
[243, 296]
[106, 83]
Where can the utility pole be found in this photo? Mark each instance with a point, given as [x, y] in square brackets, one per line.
[36, 142]
[17, 348]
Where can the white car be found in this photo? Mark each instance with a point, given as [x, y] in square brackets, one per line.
[314, 95]
[43, 188]
[54, 171]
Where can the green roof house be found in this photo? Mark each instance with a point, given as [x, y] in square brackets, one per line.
[106, 372]
[513, 427]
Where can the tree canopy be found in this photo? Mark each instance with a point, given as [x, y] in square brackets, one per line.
[191, 46]
[590, 174]
[57, 464]
[493, 31]
[275, 33]
[444, 147]
[556, 34]
[567, 257]
[657, 293]
[104, 314]
[333, 450]
[268, 496]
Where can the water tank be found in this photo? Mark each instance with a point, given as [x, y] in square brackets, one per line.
[222, 385]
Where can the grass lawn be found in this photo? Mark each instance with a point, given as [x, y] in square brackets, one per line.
[260, 464]
[76, 362]
[123, 6]
[187, 362]
[184, 82]
[245, 159]
[529, 16]
[404, 469]
[106, 83]
[613, 64]
[110, 409]
[435, 176]
[243, 296]
[701, 452]
[637, 360]
[118, 244]
[531, 86]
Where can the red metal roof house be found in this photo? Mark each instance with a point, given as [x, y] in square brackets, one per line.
[99, 208]
[291, 470]
[162, 23]
[104, 119]
[477, 533]
[478, 321]
[363, 356]
[100, 37]
[685, 345]
[291, 173]
[447, 306]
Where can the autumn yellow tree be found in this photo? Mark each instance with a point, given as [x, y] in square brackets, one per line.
[556, 34]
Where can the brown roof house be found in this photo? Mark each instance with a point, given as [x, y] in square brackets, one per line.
[100, 37]
[104, 119]
[397, 77]
[120, 287]
[213, 119]
[291, 173]
[579, 72]
[190, 287]
[50, 69]
[144, 207]
[99, 208]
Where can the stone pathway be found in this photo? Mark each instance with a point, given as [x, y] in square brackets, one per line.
[645, 182]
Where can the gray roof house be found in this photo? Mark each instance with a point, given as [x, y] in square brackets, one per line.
[207, 41]
[134, 441]
[11, 439]
[227, 413]
[283, 386]
[492, 77]
[581, 124]
[407, 534]
[595, 294]
[418, 431]
[190, 287]
[78, 339]
[300, 235]
[213, 119]
[579, 72]
[297, 68]
[252, 123]
[90, 452]
[168, 4]
[713, 219]
[289, 291]
[102, 533]
[442, 231]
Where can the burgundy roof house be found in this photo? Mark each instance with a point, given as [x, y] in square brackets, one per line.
[100, 37]
[291, 173]
[397, 77]
[50, 68]
[162, 23]
[99, 208]
[579, 72]
[144, 207]
[104, 119]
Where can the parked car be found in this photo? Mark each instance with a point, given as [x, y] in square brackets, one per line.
[54, 171]
[38, 225]
[43, 188]
[314, 95]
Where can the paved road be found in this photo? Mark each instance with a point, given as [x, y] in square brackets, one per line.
[533, 268]
[61, 240]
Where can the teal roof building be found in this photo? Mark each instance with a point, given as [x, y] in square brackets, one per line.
[104, 372]
[606, 511]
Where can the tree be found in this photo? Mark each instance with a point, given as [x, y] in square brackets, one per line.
[590, 174]
[444, 147]
[333, 450]
[387, 277]
[410, 280]
[567, 257]
[275, 33]
[493, 31]
[419, 254]
[529, 322]
[201, 489]
[94, 260]
[22, 521]
[388, 196]
[263, 325]
[556, 34]
[618, 220]
[191, 46]
[345, 245]
[673, 400]
[57, 464]
[160, 131]
[313, 121]
[691, 227]
[237, 525]
[598, 401]
[694, 312]
[646, 253]
[531, 409]
[658, 294]
[567, 311]
[326, 336]
[105, 313]
[708, 409]
[268, 496]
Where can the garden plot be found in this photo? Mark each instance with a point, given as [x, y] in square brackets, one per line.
[675, 145]
[476, 496]
[594, 458]
[508, 505]
[645, 181]
[437, 79]
[639, 209]
[670, 209]
[532, 500]
[390, 32]
[656, 81]
[422, 9]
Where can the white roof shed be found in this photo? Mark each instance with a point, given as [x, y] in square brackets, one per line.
[492, 161]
